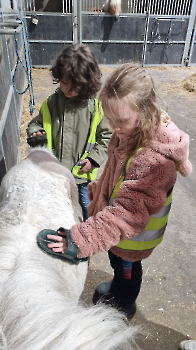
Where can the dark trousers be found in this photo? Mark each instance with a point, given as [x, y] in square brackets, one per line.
[127, 279]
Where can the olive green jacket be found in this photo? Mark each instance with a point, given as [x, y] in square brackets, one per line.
[71, 119]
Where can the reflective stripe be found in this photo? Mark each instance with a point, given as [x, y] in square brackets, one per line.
[163, 212]
[47, 122]
[121, 178]
[139, 245]
[98, 116]
[89, 147]
[156, 223]
[150, 234]
[111, 201]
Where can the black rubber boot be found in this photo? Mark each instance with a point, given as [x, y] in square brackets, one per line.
[104, 291]
[107, 293]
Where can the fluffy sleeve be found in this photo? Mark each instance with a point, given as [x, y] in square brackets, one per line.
[143, 193]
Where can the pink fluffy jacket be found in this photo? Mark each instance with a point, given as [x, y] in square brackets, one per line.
[150, 177]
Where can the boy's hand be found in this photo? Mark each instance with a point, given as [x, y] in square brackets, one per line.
[86, 167]
[37, 139]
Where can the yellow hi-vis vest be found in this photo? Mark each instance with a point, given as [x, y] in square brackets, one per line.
[154, 231]
[98, 116]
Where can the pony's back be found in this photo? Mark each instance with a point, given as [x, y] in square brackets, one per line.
[39, 294]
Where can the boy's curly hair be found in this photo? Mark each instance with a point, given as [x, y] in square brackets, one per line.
[78, 65]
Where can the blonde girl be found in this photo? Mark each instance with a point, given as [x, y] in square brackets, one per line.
[130, 202]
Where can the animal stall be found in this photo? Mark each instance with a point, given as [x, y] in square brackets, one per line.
[153, 32]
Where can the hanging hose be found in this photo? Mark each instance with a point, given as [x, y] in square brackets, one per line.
[27, 67]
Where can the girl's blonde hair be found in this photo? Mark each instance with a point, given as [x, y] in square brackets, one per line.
[131, 83]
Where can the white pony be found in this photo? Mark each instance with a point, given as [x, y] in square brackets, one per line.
[39, 294]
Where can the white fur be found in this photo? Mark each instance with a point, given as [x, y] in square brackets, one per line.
[39, 294]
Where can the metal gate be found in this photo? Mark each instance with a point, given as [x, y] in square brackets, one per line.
[153, 32]
[11, 103]
[50, 28]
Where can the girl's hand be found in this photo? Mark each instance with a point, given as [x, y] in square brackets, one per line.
[60, 246]
[86, 167]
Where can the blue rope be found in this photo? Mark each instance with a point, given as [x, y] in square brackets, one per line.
[27, 67]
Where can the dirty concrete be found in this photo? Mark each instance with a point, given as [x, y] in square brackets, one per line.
[166, 306]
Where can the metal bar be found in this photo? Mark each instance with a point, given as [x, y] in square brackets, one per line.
[9, 12]
[6, 110]
[180, 19]
[80, 22]
[11, 22]
[75, 21]
[158, 7]
[151, 8]
[173, 8]
[183, 4]
[63, 6]
[191, 51]
[178, 7]
[187, 7]
[161, 7]
[133, 15]
[51, 41]
[146, 33]
[162, 64]
[10, 31]
[166, 8]
[157, 2]
[28, 15]
[114, 41]
[191, 27]
[184, 7]
[181, 7]
[139, 7]
[165, 42]
[135, 6]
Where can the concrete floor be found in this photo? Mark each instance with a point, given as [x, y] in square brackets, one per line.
[167, 301]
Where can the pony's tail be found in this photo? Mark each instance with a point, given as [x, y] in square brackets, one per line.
[58, 324]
